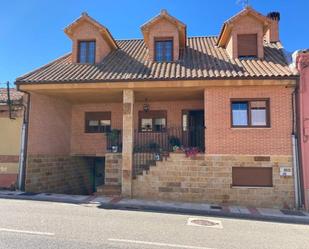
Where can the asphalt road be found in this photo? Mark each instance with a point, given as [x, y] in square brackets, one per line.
[33, 224]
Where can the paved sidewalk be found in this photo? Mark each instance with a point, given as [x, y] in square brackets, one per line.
[292, 216]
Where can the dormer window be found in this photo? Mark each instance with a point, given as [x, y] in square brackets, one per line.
[86, 52]
[247, 46]
[163, 50]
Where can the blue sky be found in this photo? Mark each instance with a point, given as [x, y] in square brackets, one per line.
[31, 32]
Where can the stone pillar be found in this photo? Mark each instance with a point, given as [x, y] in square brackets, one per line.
[127, 142]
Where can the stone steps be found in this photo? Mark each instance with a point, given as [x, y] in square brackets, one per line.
[109, 190]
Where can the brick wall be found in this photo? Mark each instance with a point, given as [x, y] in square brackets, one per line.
[163, 28]
[87, 31]
[59, 174]
[222, 139]
[209, 178]
[113, 164]
[95, 143]
[92, 143]
[49, 126]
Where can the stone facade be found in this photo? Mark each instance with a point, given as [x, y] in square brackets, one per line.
[113, 163]
[58, 174]
[208, 178]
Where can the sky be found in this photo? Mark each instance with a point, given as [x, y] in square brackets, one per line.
[31, 31]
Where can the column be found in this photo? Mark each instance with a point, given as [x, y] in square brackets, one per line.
[127, 142]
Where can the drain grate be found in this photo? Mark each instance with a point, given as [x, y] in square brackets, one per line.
[292, 212]
[204, 222]
[215, 207]
[29, 194]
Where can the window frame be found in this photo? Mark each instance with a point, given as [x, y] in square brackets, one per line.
[87, 51]
[156, 115]
[267, 108]
[109, 117]
[163, 39]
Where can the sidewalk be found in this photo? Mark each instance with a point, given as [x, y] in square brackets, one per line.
[267, 214]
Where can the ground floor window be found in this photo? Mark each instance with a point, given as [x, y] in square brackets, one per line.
[152, 121]
[252, 176]
[97, 122]
[250, 113]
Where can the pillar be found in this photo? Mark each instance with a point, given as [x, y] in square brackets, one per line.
[127, 142]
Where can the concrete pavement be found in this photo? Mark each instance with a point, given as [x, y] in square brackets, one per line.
[41, 224]
[291, 216]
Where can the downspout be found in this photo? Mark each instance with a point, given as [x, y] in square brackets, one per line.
[24, 144]
[296, 166]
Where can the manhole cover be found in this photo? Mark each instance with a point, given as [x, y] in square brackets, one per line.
[292, 212]
[204, 222]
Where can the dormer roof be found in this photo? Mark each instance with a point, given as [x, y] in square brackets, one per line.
[228, 24]
[69, 30]
[182, 28]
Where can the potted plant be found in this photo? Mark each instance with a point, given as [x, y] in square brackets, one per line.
[175, 143]
[113, 137]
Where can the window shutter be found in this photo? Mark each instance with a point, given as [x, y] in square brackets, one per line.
[98, 115]
[252, 176]
[247, 45]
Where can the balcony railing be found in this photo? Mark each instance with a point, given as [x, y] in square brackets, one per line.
[150, 147]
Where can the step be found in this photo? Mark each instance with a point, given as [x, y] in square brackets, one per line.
[109, 190]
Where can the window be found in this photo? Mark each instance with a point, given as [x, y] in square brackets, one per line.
[247, 46]
[252, 176]
[152, 121]
[163, 50]
[86, 52]
[97, 122]
[250, 113]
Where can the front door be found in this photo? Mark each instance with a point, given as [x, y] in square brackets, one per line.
[99, 172]
[196, 129]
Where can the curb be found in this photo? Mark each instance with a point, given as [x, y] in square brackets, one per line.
[177, 210]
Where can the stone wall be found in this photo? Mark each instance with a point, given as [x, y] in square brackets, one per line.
[208, 179]
[113, 163]
[58, 174]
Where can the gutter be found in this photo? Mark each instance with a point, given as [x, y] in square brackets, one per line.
[296, 152]
[24, 144]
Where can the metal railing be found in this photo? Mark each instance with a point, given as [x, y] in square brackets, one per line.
[114, 141]
[150, 147]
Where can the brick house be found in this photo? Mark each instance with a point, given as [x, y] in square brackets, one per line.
[11, 121]
[117, 114]
[301, 61]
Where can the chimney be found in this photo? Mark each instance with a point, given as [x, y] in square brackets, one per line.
[272, 34]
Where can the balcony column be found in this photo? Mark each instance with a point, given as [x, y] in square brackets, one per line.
[127, 142]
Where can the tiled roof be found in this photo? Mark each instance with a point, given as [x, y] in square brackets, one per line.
[201, 59]
[14, 95]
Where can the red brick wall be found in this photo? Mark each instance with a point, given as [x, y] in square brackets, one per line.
[50, 126]
[95, 143]
[92, 143]
[87, 31]
[222, 139]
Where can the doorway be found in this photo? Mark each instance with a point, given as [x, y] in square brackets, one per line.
[194, 126]
[98, 172]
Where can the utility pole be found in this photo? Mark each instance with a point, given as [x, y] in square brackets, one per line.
[9, 99]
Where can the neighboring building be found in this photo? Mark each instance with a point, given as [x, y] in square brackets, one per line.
[10, 136]
[302, 64]
[228, 97]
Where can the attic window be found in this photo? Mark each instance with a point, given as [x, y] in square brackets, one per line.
[163, 49]
[86, 52]
[247, 46]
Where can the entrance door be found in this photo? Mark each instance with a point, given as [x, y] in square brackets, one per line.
[99, 172]
[196, 129]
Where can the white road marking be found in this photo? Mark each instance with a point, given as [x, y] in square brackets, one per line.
[26, 232]
[157, 244]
